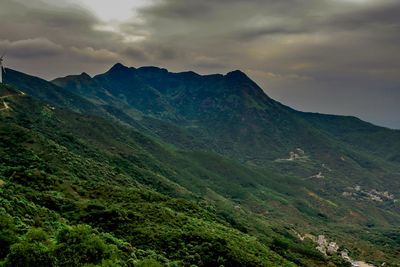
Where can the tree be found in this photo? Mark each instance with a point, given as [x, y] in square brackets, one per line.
[7, 234]
[80, 245]
[34, 249]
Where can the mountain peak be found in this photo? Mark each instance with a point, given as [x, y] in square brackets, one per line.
[118, 67]
[85, 75]
[76, 77]
[236, 74]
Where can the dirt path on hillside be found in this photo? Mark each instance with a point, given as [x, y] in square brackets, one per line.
[363, 264]
[5, 105]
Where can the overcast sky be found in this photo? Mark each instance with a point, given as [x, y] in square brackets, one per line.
[329, 56]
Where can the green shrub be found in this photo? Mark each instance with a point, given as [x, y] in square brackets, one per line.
[34, 249]
[80, 245]
[148, 263]
[7, 234]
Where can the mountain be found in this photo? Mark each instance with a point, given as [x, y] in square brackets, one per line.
[231, 115]
[212, 152]
[231, 112]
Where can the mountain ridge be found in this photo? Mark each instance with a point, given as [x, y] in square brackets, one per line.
[229, 73]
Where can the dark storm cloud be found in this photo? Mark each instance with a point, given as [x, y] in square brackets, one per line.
[338, 56]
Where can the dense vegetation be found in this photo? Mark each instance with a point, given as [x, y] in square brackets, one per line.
[149, 169]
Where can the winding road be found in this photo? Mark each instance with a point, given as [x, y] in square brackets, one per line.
[5, 105]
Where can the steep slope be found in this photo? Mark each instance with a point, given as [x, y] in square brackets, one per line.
[58, 170]
[84, 85]
[50, 93]
[75, 100]
[326, 184]
[149, 197]
[378, 141]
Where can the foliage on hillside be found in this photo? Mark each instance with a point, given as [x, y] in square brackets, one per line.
[171, 169]
[66, 202]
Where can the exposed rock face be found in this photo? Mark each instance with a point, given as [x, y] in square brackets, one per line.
[332, 248]
[345, 255]
[323, 245]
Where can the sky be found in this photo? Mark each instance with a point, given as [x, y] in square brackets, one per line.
[329, 56]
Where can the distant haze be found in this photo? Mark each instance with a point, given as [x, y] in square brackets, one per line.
[329, 56]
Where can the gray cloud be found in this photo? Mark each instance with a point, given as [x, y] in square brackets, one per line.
[31, 48]
[336, 56]
[94, 55]
[386, 16]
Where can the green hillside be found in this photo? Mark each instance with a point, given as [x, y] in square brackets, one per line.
[71, 195]
[180, 169]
